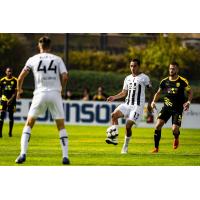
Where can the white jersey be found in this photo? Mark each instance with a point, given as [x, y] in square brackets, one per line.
[46, 69]
[136, 88]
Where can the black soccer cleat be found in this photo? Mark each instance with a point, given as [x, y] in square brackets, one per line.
[65, 161]
[111, 141]
[21, 158]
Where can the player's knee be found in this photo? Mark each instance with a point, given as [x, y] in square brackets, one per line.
[175, 129]
[159, 125]
[114, 116]
[60, 124]
[30, 122]
[11, 118]
[2, 115]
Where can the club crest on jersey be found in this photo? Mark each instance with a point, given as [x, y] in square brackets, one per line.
[178, 84]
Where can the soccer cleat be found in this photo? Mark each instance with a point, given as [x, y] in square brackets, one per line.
[21, 158]
[111, 140]
[65, 161]
[124, 150]
[176, 143]
[155, 150]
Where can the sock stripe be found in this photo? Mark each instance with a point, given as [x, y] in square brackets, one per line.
[63, 137]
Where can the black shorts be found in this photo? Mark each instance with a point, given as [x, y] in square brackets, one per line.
[166, 113]
[5, 107]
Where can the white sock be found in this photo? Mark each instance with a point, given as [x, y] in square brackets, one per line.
[26, 134]
[64, 142]
[126, 140]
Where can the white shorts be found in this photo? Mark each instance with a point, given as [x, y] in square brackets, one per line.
[50, 100]
[133, 112]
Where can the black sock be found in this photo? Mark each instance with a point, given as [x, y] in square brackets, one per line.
[176, 135]
[10, 127]
[157, 136]
[2, 115]
[11, 122]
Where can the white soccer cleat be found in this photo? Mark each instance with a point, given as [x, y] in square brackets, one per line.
[124, 150]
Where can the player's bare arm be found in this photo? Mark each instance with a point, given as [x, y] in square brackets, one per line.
[186, 105]
[155, 99]
[20, 81]
[150, 91]
[12, 97]
[64, 78]
[120, 95]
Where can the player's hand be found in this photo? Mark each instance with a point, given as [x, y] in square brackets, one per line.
[9, 102]
[186, 106]
[19, 92]
[111, 98]
[153, 105]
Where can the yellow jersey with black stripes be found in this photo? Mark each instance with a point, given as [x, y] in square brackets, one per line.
[7, 87]
[174, 92]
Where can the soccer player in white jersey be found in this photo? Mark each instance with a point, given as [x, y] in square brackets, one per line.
[132, 109]
[50, 75]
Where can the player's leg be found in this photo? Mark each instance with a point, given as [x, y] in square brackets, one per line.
[128, 135]
[25, 138]
[112, 132]
[134, 116]
[157, 134]
[63, 140]
[176, 124]
[2, 116]
[11, 110]
[37, 108]
[3, 107]
[55, 107]
[163, 117]
[11, 122]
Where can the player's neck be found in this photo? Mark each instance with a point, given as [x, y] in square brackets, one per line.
[172, 78]
[136, 74]
[44, 50]
[8, 77]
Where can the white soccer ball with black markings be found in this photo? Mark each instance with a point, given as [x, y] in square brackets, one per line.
[112, 132]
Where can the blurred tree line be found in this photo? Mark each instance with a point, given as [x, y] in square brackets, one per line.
[94, 67]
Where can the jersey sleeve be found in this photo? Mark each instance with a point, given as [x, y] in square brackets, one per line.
[28, 66]
[186, 85]
[62, 67]
[147, 82]
[125, 86]
[162, 85]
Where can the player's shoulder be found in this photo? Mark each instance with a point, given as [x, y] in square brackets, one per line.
[183, 79]
[164, 79]
[143, 75]
[128, 77]
[3, 78]
[15, 78]
[53, 56]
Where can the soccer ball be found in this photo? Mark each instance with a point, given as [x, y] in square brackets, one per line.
[112, 132]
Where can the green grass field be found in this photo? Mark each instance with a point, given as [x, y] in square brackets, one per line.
[87, 147]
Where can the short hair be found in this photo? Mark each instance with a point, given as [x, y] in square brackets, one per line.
[136, 60]
[175, 64]
[45, 42]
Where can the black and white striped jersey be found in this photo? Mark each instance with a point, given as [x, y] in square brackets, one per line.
[136, 88]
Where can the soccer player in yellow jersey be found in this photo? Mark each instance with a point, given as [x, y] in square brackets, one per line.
[8, 85]
[173, 88]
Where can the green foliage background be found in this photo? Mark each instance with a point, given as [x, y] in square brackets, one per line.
[92, 68]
